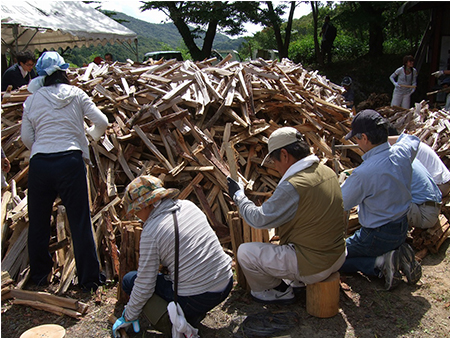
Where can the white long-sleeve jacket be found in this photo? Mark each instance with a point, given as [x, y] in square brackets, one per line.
[53, 120]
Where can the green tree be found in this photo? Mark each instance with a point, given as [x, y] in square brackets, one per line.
[315, 14]
[379, 25]
[207, 17]
[271, 17]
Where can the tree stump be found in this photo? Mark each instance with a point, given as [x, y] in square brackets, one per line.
[322, 299]
[45, 331]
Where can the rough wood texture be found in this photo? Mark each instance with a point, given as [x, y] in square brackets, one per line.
[322, 299]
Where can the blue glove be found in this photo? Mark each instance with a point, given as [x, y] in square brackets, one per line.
[122, 323]
[396, 85]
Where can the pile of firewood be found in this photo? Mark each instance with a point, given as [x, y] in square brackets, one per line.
[192, 125]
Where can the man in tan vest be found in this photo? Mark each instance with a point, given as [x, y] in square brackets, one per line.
[306, 209]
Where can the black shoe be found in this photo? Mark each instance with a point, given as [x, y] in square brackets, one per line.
[42, 280]
[408, 264]
[391, 268]
[93, 286]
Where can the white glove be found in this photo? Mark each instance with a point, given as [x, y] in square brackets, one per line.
[396, 85]
[94, 132]
[438, 74]
[180, 327]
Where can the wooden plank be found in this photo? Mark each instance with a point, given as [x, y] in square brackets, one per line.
[87, 72]
[234, 223]
[152, 148]
[190, 187]
[7, 195]
[114, 202]
[177, 90]
[111, 242]
[121, 158]
[229, 149]
[220, 229]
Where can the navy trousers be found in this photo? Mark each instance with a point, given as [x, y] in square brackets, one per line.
[62, 174]
[194, 307]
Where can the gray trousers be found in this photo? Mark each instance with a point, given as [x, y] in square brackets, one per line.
[423, 216]
[265, 265]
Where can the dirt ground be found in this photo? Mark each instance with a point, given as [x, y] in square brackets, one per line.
[366, 310]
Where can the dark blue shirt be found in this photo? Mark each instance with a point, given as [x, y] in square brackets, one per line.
[13, 76]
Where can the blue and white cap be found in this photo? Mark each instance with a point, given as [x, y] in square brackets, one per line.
[50, 62]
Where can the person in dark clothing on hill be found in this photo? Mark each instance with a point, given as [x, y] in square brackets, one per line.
[20, 73]
[328, 35]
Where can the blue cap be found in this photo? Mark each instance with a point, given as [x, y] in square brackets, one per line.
[50, 62]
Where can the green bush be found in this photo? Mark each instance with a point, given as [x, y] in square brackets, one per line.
[347, 47]
[397, 46]
[302, 50]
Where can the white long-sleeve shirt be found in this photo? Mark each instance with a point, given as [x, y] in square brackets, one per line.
[404, 79]
[203, 265]
[428, 157]
[53, 120]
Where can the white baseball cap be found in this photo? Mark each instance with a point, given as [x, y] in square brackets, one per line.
[281, 138]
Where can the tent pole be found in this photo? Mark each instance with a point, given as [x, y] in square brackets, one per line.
[137, 54]
[29, 41]
[15, 30]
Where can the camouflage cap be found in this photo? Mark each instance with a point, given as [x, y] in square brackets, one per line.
[143, 191]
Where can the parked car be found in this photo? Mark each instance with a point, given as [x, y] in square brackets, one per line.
[166, 54]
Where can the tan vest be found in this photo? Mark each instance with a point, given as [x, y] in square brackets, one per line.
[317, 230]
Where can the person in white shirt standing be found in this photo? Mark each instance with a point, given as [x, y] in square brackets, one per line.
[405, 81]
[53, 129]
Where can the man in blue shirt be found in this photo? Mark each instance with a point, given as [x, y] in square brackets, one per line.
[381, 188]
[426, 197]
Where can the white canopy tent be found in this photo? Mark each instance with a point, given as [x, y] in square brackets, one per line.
[53, 24]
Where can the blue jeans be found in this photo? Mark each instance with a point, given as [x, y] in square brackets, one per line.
[62, 174]
[194, 307]
[367, 244]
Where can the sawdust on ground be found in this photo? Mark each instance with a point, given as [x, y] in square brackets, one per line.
[366, 310]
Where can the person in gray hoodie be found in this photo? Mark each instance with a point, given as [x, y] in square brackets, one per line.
[53, 129]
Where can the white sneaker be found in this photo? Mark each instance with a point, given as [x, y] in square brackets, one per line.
[274, 296]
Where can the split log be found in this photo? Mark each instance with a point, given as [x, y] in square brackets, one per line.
[47, 298]
[49, 308]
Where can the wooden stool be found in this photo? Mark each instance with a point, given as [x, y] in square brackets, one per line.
[322, 299]
[45, 331]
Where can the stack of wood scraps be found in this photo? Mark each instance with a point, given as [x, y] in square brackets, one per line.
[191, 125]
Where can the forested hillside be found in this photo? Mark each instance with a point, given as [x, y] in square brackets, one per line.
[151, 37]
[353, 54]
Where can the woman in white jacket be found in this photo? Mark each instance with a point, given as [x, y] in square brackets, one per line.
[405, 81]
[53, 129]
